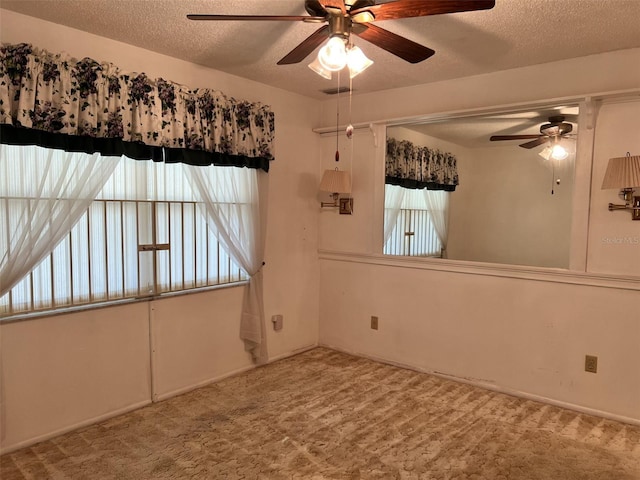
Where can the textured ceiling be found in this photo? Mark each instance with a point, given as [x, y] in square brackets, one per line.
[514, 33]
[474, 131]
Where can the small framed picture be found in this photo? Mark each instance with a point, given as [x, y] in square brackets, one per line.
[346, 206]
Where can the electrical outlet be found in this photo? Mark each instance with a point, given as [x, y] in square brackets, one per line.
[374, 323]
[591, 364]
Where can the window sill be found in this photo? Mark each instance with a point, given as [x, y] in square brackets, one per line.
[111, 303]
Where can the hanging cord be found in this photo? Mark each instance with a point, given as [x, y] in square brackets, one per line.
[338, 119]
[350, 135]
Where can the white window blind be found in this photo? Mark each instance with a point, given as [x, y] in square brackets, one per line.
[410, 229]
[142, 235]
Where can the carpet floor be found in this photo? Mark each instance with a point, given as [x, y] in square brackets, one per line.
[326, 415]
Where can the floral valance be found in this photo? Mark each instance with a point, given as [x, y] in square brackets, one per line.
[56, 101]
[412, 166]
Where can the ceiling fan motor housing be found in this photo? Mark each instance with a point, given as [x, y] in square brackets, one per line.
[339, 25]
[556, 127]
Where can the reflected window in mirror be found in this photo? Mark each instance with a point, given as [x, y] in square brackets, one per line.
[512, 198]
[415, 222]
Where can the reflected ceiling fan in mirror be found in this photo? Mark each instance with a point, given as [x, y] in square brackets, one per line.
[341, 18]
[556, 151]
[551, 133]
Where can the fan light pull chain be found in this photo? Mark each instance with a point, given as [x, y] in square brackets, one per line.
[338, 119]
[349, 133]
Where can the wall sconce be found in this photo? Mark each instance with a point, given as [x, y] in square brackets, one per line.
[337, 182]
[624, 173]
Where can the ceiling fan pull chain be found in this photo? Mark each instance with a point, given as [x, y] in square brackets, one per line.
[350, 133]
[349, 130]
[338, 120]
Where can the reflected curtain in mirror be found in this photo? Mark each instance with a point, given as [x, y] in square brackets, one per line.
[417, 167]
[418, 181]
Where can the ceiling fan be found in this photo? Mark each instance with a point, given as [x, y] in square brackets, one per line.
[344, 17]
[551, 132]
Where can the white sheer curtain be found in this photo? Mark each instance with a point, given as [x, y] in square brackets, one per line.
[234, 199]
[393, 199]
[438, 207]
[43, 193]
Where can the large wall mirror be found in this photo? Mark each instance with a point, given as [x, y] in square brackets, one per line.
[513, 200]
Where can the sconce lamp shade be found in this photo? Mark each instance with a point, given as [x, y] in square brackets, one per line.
[335, 181]
[622, 172]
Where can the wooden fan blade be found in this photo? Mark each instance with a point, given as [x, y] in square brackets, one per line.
[495, 138]
[402, 47]
[339, 4]
[306, 47]
[535, 143]
[422, 8]
[286, 18]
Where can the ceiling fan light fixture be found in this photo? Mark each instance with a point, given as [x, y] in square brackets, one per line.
[546, 152]
[558, 152]
[357, 61]
[333, 55]
[317, 67]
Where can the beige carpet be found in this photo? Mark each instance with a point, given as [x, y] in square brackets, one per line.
[326, 415]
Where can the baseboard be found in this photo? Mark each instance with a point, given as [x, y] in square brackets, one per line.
[495, 388]
[203, 383]
[75, 426]
[293, 353]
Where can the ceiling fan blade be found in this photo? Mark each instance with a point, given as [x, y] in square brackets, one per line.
[306, 47]
[535, 143]
[337, 4]
[422, 8]
[495, 138]
[402, 47]
[286, 18]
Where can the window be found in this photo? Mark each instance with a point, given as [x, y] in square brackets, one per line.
[143, 235]
[409, 223]
[413, 235]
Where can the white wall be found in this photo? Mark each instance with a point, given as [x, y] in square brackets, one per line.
[195, 336]
[521, 330]
[614, 240]
[66, 370]
[527, 337]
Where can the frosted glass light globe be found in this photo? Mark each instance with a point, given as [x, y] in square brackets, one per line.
[357, 61]
[559, 152]
[333, 56]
